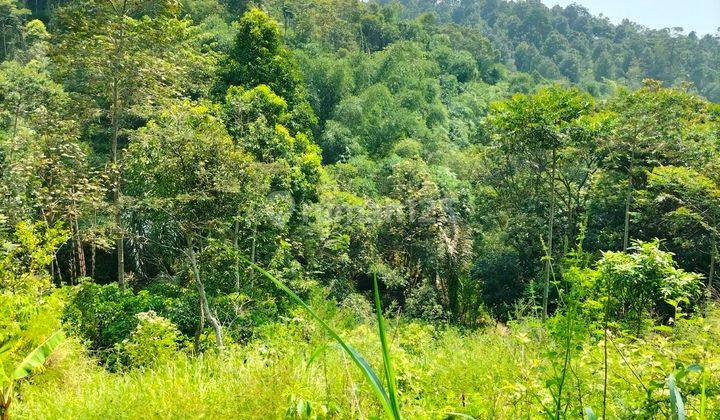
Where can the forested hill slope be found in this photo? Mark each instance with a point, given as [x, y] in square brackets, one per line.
[527, 36]
[569, 42]
[552, 44]
[394, 131]
[189, 177]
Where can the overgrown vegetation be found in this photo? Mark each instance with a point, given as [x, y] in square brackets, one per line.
[347, 209]
[291, 369]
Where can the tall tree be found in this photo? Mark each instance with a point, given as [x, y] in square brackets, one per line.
[184, 175]
[655, 126]
[12, 19]
[686, 205]
[126, 57]
[259, 57]
[532, 133]
[46, 170]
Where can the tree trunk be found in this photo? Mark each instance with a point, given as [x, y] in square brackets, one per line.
[93, 255]
[6, 410]
[73, 265]
[4, 46]
[628, 199]
[120, 240]
[115, 116]
[94, 247]
[252, 253]
[551, 226]
[203, 297]
[236, 249]
[201, 327]
[453, 288]
[713, 257]
[57, 266]
[82, 265]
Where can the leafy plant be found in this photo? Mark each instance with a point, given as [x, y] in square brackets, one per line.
[645, 282]
[300, 409]
[154, 340]
[104, 315]
[33, 360]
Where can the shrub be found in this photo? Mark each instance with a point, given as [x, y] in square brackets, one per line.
[29, 306]
[499, 274]
[358, 306]
[643, 283]
[154, 340]
[105, 315]
[423, 302]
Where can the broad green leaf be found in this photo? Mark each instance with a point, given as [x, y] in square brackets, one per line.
[38, 356]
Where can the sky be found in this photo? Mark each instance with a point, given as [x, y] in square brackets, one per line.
[701, 16]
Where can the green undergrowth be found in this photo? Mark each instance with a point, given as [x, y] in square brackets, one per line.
[293, 370]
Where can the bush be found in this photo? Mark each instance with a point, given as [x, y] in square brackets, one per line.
[642, 284]
[499, 274]
[105, 315]
[154, 340]
[29, 305]
[359, 307]
[423, 302]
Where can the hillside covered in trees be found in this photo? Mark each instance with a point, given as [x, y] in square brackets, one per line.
[346, 209]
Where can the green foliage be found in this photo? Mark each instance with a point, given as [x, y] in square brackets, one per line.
[677, 407]
[105, 315]
[680, 205]
[154, 340]
[389, 373]
[35, 359]
[29, 311]
[423, 302]
[12, 17]
[387, 397]
[549, 142]
[127, 59]
[470, 157]
[26, 254]
[569, 42]
[260, 57]
[247, 107]
[38, 356]
[300, 409]
[46, 167]
[437, 371]
[184, 170]
[643, 283]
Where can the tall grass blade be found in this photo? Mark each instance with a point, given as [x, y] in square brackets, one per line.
[703, 397]
[677, 406]
[320, 350]
[360, 362]
[389, 375]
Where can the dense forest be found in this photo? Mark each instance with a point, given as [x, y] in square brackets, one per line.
[356, 209]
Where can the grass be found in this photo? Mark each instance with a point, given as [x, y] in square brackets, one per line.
[500, 372]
